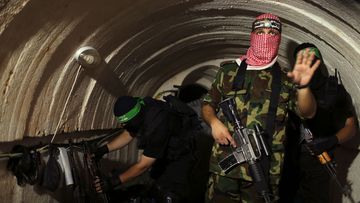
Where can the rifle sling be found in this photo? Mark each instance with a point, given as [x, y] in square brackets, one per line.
[239, 79]
[274, 97]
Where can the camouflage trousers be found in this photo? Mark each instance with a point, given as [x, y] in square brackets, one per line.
[221, 189]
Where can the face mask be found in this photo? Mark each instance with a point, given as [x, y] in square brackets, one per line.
[263, 49]
[134, 125]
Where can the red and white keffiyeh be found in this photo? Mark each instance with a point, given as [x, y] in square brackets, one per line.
[263, 48]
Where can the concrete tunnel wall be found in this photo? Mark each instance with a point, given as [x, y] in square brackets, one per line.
[145, 44]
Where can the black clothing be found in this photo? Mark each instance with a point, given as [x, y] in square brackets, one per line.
[327, 121]
[309, 179]
[124, 104]
[314, 185]
[321, 144]
[166, 135]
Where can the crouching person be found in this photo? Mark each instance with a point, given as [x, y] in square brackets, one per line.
[165, 132]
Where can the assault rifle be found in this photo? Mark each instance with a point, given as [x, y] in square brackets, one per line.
[249, 147]
[93, 169]
[326, 161]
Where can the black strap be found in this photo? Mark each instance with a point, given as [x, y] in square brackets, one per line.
[78, 187]
[274, 99]
[239, 79]
[87, 176]
[270, 119]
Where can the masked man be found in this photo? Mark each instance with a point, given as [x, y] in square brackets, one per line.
[262, 91]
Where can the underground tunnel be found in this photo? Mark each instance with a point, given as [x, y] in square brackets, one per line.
[146, 48]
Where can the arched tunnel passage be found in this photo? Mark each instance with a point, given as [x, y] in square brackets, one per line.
[148, 47]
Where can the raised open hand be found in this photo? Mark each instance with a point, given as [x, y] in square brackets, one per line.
[304, 68]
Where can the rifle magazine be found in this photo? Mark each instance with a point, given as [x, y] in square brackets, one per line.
[231, 161]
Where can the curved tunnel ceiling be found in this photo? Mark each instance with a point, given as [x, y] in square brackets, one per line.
[147, 46]
[144, 43]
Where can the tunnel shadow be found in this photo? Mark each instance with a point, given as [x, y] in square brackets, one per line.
[107, 79]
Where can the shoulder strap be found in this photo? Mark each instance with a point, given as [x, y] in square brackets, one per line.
[240, 77]
[330, 92]
[275, 92]
[274, 98]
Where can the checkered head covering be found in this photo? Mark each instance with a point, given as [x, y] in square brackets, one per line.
[263, 48]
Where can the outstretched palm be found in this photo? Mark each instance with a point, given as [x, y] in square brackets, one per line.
[303, 70]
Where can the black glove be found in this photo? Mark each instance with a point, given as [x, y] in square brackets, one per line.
[319, 145]
[98, 151]
[106, 184]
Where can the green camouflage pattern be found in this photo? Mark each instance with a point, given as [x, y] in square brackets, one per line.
[252, 101]
[229, 190]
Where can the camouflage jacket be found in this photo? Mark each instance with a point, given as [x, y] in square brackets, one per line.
[253, 104]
